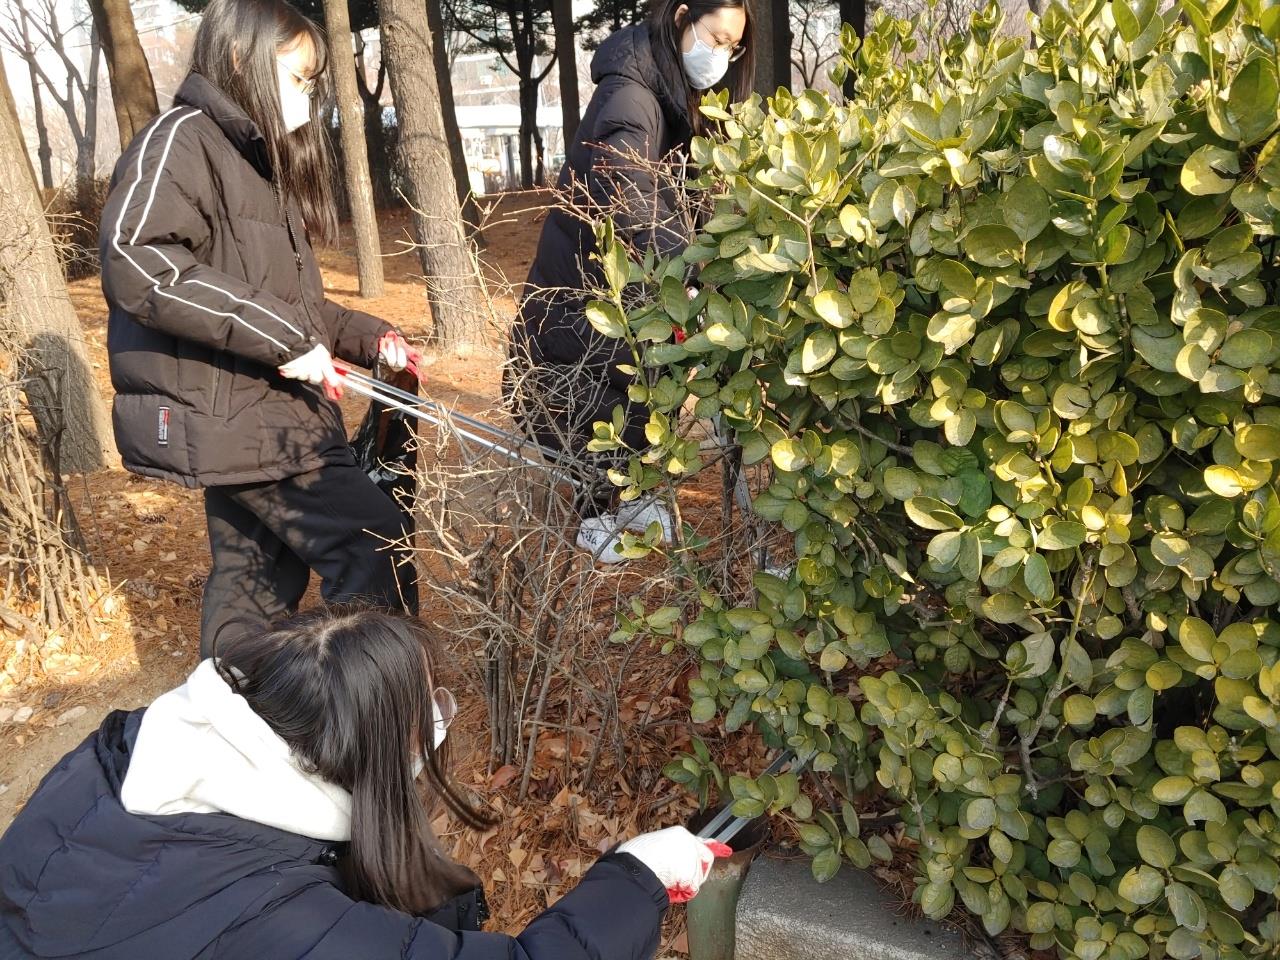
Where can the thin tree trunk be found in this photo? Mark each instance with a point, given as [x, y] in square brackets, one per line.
[355, 154]
[375, 134]
[773, 56]
[853, 12]
[34, 295]
[453, 287]
[87, 141]
[449, 114]
[528, 123]
[43, 151]
[566, 54]
[133, 92]
[780, 36]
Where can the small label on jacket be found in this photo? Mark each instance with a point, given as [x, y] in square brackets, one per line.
[162, 427]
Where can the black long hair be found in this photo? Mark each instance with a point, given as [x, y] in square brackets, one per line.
[235, 50]
[668, 30]
[351, 692]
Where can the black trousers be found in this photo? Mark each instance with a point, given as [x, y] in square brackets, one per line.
[267, 538]
[556, 405]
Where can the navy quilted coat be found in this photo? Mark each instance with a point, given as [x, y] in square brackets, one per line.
[82, 877]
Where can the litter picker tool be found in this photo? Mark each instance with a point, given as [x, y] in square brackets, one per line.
[724, 826]
[498, 441]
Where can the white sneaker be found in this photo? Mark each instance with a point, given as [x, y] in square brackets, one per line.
[637, 515]
[601, 537]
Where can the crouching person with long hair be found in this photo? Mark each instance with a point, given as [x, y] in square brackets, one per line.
[277, 806]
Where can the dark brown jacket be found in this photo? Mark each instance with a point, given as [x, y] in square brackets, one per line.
[212, 285]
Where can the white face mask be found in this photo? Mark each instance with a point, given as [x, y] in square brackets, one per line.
[704, 65]
[440, 731]
[295, 106]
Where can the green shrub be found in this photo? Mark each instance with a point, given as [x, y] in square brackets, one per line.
[1006, 327]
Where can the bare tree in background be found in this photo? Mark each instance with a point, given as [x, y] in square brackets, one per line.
[817, 44]
[454, 290]
[567, 57]
[517, 31]
[949, 17]
[375, 134]
[355, 154]
[44, 152]
[34, 25]
[133, 93]
[449, 113]
[62, 394]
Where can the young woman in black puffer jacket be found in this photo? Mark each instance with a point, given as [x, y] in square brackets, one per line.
[273, 807]
[220, 337]
[625, 162]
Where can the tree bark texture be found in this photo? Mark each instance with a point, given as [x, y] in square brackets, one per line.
[355, 154]
[449, 114]
[453, 287]
[34, 302]
[566, 56]
[773, 55]
[133, 92]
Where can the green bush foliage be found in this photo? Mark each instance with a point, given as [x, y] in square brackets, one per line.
[1005, 325]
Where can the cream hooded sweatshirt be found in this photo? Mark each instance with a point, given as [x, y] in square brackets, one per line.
[202, 749]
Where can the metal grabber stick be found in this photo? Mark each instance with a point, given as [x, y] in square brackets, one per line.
[724, 826]
[421, 409]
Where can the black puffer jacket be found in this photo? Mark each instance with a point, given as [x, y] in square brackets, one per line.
[212, 286]
[80, 876]
[639, 109]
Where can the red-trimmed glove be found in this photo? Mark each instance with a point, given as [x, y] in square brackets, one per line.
[679, 860]
[396, 353]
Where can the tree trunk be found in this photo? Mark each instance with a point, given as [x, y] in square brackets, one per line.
[528, 121]
[375, 135]
[853, 12]
[34, 298]
[43, 151]
[773, 56]
[375, 138]
[87, 140]
[453, 285]
[449, 114]
[781, 38]
[132, 90]
[355, 155]
[566, 54]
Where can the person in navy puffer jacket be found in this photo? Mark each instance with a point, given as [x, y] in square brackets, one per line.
[277, 806]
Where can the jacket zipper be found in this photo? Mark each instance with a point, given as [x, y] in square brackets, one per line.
[297, 254]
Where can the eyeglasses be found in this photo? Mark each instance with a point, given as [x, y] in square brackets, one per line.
[306, 84]
[735, 50]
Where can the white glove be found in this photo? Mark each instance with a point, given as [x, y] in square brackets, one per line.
[392, 351]
[679, 860]
[315, 366]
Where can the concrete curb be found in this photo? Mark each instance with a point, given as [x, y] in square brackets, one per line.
[784, 914]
